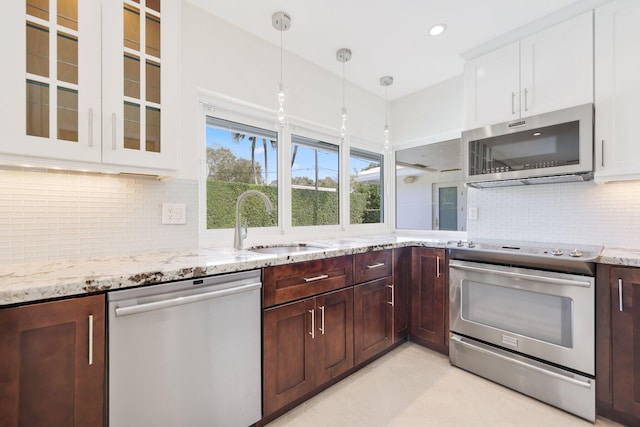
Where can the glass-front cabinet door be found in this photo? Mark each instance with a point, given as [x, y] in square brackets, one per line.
[90, 82]
[51, 79]
[140, 83]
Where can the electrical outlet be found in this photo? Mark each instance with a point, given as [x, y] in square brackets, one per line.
[174, 213]
[473, 213]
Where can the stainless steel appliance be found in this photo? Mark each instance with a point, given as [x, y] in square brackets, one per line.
[524, 316]
[547, 148]
[186, 353]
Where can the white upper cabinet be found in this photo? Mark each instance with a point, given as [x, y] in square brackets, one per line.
[50, 79]
[492, 87]
[140, 83]
[617, 47]
[547, 71]
[73, 73]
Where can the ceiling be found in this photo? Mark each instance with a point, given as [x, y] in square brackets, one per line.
[386, 37]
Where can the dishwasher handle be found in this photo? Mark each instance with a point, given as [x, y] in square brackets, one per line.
[157, 305]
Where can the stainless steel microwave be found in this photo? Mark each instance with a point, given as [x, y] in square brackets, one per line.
[547, 148]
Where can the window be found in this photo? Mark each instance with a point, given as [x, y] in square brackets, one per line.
[315, 190]
[366, 189]
[240, 158]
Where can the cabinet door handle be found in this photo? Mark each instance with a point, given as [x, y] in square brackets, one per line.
[602, 149]
[513, 102]
[113, 131]
[392, 302]
[90, 339]
[322, 322]
[90, 127]
[376, 265]
[313, 323]
[437, 266]
[313, 279]
[620, 305]
[526, 103]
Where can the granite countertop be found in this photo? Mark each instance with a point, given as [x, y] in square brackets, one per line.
[35, 281]
[617, 256]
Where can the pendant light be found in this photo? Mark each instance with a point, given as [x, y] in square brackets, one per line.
[386, 81]
[281, 21]
[343, 55]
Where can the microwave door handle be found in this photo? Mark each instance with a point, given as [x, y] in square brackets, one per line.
[531, 277]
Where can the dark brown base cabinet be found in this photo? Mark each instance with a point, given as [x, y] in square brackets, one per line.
[618, 344]
[373, 330]
[429, 299]
[306, 344]
[47, 376]
[401, 287]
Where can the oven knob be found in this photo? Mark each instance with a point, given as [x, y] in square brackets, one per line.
[459, 244]
[556, 252]
[471, 244]
[575, 253]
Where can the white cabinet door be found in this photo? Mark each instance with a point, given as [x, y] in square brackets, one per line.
[617, 49]
[492, 85]
[548, 71]
[556, 66]
[140, 83]
[50, 80]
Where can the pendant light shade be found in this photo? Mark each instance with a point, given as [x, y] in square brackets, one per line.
[281, 21]
[343, 55]
[386, 81]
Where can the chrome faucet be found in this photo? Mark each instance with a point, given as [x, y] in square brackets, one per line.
[240, 235]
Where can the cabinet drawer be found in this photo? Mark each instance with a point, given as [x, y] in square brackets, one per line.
[289, 282]
[372, 265]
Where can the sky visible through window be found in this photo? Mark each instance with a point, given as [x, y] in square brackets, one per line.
[304, 164]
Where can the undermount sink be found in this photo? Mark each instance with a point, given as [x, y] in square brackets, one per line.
[285, 248]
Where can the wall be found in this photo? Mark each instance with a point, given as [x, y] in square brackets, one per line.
[580, 213]
[220, 58]
[432, 111]
[584, 213]
[49, 215]
[65, 215]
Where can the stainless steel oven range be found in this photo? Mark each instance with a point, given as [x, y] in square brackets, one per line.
[523, 315]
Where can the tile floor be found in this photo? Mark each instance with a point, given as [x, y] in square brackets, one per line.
[414, 386]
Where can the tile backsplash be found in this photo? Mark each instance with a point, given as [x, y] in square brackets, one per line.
[46, 215]
[584, 212]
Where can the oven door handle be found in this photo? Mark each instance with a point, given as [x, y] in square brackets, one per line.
[585, 384]
[556, 281]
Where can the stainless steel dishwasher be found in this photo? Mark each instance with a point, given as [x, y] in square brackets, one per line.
[186, 353]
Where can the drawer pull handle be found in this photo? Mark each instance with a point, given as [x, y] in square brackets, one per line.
[377, 265]
[437, 266]
[313, 279]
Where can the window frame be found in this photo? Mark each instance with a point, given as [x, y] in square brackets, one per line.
[225, 236]
[317, 144]
[231, 109]
[367, 154]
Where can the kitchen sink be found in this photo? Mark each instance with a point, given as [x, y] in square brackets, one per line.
[285, 248]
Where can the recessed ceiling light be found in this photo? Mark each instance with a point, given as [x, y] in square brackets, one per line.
[437, 29]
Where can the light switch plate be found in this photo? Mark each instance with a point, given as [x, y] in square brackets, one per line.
[174, 213]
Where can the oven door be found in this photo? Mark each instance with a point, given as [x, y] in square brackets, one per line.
[543, 314]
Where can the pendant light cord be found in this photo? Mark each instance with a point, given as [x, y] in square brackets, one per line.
[343, 85]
